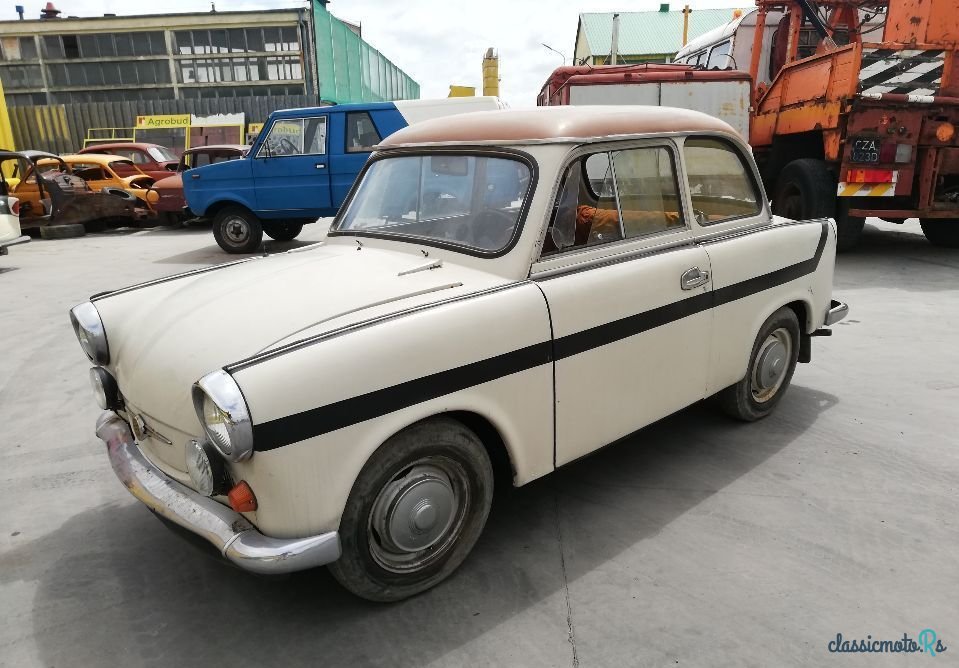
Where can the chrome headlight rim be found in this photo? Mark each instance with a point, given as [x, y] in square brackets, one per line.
[222, 390]
[105, 389]
[86, 320]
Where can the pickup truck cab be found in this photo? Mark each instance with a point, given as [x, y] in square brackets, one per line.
[301, 167]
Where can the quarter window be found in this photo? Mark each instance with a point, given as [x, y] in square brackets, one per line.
[718, 57]
[719, 182]
[614, 195]
[361, 134]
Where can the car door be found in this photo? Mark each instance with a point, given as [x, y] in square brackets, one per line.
[628, 293]
[291, 169]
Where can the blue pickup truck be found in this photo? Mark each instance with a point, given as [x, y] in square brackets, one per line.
[301, 167]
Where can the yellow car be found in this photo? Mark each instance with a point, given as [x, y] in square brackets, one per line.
[108, 171]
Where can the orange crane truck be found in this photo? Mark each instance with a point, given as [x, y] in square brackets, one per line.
[858, 127]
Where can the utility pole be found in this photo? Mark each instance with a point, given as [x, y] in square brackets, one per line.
[686, 12]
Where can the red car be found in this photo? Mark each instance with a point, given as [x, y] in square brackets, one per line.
[157, 161]
[170, 190]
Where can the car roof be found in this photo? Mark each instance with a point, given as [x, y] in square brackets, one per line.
[98, 158]
[96, 148]
[563, 124]
[218, 147]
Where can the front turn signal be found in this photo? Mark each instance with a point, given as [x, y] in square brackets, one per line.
[241, 498]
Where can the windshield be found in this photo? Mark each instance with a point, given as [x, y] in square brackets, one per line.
[161, 154]
[468, 200]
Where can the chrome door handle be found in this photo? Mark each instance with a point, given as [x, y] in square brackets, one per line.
[693, 278]
[194, 176]
[320, 165]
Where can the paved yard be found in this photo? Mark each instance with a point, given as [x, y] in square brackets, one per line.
[696, 542]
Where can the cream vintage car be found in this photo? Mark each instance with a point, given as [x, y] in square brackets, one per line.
[502, 293]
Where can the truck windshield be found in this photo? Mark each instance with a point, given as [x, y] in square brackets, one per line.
[466, 200]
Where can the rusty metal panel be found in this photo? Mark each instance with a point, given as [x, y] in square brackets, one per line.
[922, 22]
[808, 81]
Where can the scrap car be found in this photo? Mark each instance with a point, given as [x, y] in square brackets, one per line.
[156, 161]
[170, 200]
[11, 163]
[49, 193]
[622, 254]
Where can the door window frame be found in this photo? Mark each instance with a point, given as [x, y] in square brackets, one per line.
[584, 257]
[269, 130]
[346, 135]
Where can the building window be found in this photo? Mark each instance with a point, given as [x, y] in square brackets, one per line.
[19, 48]
[21, 76]
[71, 47]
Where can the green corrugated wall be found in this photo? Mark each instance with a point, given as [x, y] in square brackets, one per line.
[350, 70]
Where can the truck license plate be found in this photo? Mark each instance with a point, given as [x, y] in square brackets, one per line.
[865, 149]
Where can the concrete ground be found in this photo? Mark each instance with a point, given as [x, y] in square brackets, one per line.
[697, 542]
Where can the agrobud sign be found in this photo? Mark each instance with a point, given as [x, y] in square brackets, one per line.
[163, 121]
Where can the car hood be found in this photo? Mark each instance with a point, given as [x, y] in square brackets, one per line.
[173, 182]
[165, 336]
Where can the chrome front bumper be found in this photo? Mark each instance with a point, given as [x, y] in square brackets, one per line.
[837, 311]
[228, 531]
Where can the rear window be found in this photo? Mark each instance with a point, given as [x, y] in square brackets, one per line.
[720, 183]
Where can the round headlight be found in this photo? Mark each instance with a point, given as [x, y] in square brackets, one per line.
[89, 330]
[224, 415]
[105, 389]
[206, 469]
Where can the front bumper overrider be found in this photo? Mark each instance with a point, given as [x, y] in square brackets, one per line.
[231, 533]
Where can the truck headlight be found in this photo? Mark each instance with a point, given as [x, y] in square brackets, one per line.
[89, 330]
[224, 415]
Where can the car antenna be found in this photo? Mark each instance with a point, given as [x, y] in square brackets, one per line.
[359, 244]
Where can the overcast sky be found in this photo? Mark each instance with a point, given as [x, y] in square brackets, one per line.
[437, 43]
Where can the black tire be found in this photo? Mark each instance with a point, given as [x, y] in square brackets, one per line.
[804, 190]
[402, 482]
[756, 395]
[285, 231]
[941, 231]
[62, 231]
[848, 228]
[237, 230]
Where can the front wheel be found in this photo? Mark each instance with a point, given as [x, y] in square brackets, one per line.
[237, 230]
[415, 511]
[771, 366]
[285, 231]
[941, 231]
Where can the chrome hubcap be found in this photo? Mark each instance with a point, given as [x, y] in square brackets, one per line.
[237, 230]
[772, 361]
[418, 514]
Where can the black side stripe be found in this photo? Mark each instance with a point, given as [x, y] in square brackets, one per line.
[324, 419]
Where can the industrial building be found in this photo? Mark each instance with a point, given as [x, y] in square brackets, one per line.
[643, 37]
[229, 54]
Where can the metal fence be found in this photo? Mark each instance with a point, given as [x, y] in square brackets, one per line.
[351, 70]
[61, 128]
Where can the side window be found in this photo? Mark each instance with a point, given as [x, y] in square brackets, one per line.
[718, 57]
[720, 183]
[606, 196]
[361, 134]
[295, 136]
[648, 197]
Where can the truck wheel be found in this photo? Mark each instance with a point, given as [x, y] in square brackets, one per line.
[941, 231]
[805, 189]
[771, 367]
[415, 511]
[237, 230]
[848, 228]
[285, 231]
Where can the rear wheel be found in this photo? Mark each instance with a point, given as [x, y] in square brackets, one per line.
[285, 231]
[415, 511]
[771, 366]
[941, 231]
[805, 189]
[237, 230]
[848, 228]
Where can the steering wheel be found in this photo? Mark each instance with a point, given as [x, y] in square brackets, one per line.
[491, 229]
[289, 147]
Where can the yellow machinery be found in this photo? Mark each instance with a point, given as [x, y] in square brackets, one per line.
[491, 73]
